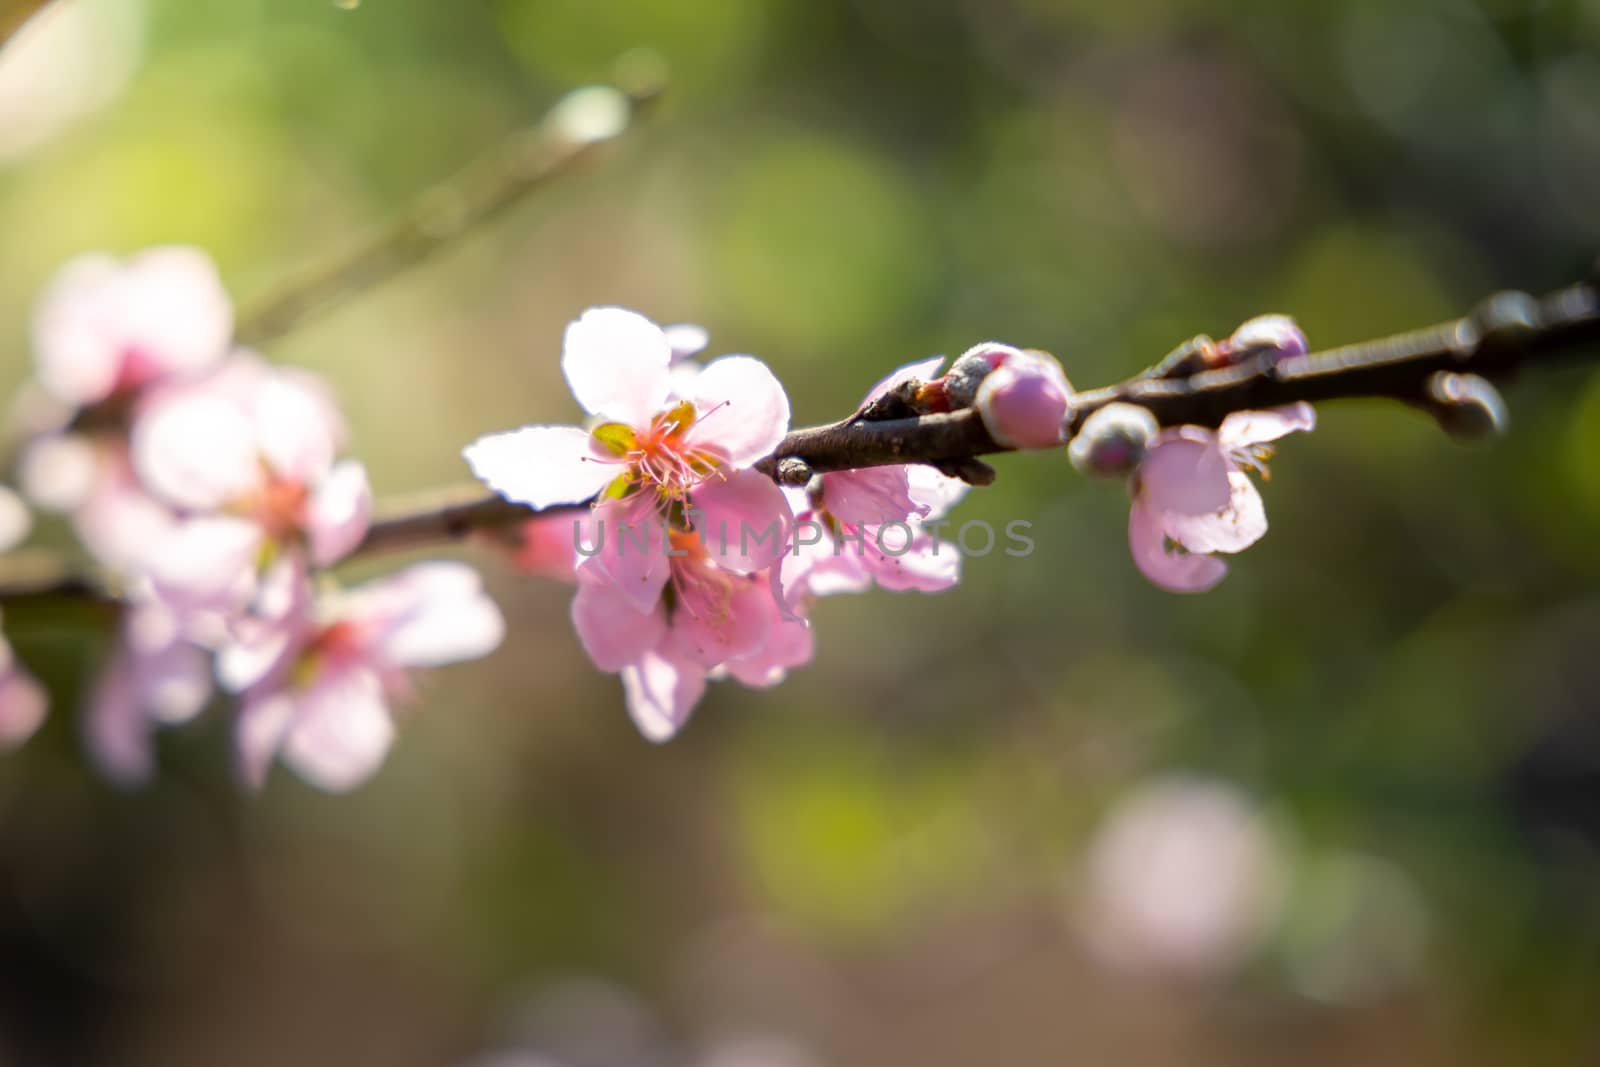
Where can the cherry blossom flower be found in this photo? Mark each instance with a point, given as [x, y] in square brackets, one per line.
[248, 457]
[857, 528]
[719, 624]
[155, 677]
[108, 337]
[668, 444]
[1184, 878]
[23, 701]
[1192, 497]
[318, 677]
[106, 329]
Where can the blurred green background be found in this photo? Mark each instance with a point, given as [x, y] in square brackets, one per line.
[1370, 760]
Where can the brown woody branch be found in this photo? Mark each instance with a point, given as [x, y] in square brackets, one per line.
[1507, 333]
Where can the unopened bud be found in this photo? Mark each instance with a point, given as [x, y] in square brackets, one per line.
[1269, 333]
[1112, 441]
[971, 368]
[1466, 406]
[1024, 401]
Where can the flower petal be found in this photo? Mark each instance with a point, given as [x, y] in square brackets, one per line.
[743, 410]
[178, 315]
[23, 702]
[616, 361]
[613, 631]
[207, 564]
[662, 692]
[1186, 472]
[116, 730]
[341, 732]
[339, 512]
[196, 449]
[738, 629]
[1245, 428]
[1233, 529]
[540, 465]
[629, 549]
[927, 565]
[16, 521]
[446, 618]
[297, 426]
[74, 330]
[1175, 572]
[933, 491]
[743, 520]
[686, 339]
[871, 495]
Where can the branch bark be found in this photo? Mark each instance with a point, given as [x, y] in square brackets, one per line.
[1506, 333]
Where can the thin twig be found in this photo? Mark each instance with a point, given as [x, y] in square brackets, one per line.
[559, 144]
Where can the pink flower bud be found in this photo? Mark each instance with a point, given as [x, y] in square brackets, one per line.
[1024, 401]
[1267, 333]
[969, 370]
[1113, 441]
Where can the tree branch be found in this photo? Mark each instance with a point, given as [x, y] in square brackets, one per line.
[1508, 332]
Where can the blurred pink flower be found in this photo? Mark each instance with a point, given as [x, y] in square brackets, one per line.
[1192, 498]
[155, 678]
[106, 327]
[1183, 878]
[318, 680]
[23, 701]
[247, 456]
[547, 546]
[108, 336]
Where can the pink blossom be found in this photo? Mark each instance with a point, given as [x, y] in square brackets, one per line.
[1183, 878]
[106, 327]
[853, 529]
[546, 547]
[318, 681]
[1192, 498]
[248, 456]
[1024, 401]
[108, 336]
[23, 701]
[720, 623]
[664, 439]
[155, 677]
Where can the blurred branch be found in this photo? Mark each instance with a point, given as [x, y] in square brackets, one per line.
[14, 14]
[1508, 332]
[569, 135]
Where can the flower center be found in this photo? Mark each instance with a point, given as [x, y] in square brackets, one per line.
[659, 455]
[279, 506]
[700, 587]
